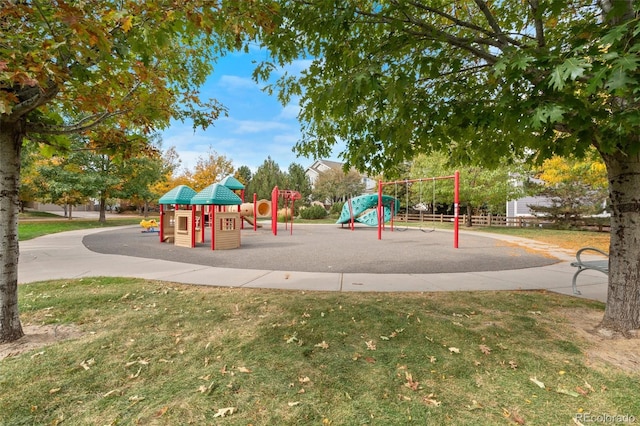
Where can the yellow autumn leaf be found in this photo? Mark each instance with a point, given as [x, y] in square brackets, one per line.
[127, 24]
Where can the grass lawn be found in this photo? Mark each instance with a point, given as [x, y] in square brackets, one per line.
[36, 226]
[147, 352]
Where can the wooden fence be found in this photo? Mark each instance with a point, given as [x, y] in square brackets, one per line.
[597, 224]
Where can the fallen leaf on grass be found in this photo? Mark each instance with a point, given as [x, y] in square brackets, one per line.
[411, 384]
[582, 391]
[162, 411]
[371, 345]
[537, 382]
[474, 406]
[244, 370]
[513, 416]
[138, 361]
[454, 350]
[517, 418]
[567, 392]
[87, 364]
[485, 349]
[222, 412]
[430, 400]
[323, 345]
[54, 390]
[293, 404]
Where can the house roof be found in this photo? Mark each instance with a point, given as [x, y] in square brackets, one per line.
[321, 166]
[181, 194]
[216, 194]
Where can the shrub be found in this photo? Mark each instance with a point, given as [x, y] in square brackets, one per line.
[336, 208]
[284, 215]
[313, 212]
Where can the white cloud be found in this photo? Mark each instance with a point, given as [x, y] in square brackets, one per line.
[251, 126]
[234, 82]
[290, 112]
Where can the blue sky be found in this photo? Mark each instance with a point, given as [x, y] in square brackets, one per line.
[257, 125]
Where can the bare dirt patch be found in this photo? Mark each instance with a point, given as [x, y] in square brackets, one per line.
[38, 336]
[605, 349]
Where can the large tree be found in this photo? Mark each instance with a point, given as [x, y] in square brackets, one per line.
[335, 185]
[210, 169]
[574, 188]
[68, 66]
[479, 80]
[265, 178]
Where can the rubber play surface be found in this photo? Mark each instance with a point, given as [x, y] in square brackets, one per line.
[331, 248]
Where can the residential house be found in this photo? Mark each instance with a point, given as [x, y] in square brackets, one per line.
[323, 166]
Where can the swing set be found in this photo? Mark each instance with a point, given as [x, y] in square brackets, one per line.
[421, 206]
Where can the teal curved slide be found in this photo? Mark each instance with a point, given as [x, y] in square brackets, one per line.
[364, 211]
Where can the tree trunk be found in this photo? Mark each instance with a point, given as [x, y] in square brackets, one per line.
[469, 216]
[623, 298]
[103, 210]
[11, 135]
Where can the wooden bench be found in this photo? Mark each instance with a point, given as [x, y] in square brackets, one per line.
[583, 265]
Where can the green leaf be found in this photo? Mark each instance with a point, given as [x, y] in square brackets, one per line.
[556, 81]
[547, 114]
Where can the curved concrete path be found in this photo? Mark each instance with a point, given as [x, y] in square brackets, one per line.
[64, 255]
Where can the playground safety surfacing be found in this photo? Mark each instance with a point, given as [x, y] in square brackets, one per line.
[332, 248]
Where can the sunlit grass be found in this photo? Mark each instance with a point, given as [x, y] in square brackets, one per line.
[37, 228]
[158, 353]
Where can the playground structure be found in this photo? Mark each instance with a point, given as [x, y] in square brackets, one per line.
[149, 225]
[185, 214]
[179, 197]
[456, 201]
[288, 196]
[363, 209]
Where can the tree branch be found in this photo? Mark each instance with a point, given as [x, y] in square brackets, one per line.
[86, 123]
[39, 97]
[539, 25]
[491, 20]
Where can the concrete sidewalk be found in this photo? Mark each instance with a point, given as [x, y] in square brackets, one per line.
[63, 255]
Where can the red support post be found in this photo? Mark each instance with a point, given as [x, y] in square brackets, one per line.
[193, 226]
[202, 224]
[161, 233]
[274, 210]
[212, 218]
